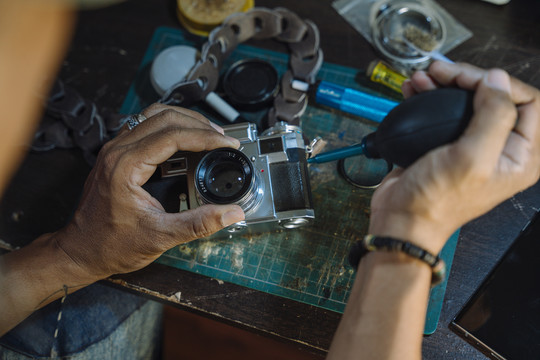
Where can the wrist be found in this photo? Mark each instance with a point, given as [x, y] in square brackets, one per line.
[51, 266]
[396, 264]
[64, 268]
[371, 243]
[34, 276]
[425, 233]
[74, 256]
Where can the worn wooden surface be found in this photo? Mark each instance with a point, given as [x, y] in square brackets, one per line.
[106, 51]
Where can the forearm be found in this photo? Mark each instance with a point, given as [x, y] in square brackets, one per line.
[384, 317]
[34, 276]
[386, 311]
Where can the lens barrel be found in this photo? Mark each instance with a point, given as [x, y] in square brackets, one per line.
[226, 176]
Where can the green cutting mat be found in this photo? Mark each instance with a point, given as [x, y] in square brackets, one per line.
[308, 264]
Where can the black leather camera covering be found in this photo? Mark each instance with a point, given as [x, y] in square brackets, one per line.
[290, 182]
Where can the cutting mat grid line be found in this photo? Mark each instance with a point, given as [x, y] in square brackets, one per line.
[307, 264]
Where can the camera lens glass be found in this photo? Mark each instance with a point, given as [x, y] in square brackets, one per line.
[225, 179]
[224, 176]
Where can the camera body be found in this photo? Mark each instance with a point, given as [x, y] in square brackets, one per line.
[267, 176]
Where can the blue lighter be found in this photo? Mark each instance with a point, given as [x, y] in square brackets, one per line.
[353, 101]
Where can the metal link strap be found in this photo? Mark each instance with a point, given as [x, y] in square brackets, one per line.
[71, 121]
[288, 93]
[303, 67]
[293, 27]
[306, 57]
[310, 41]
[206, 74]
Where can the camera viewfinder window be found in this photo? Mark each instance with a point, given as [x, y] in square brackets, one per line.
[269, 146]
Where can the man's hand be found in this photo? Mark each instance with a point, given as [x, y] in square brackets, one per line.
[119, 227]
[498, 155]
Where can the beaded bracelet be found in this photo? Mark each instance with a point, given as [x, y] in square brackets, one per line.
[380, 243]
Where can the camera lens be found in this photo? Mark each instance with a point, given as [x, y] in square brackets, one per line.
[224, 176]
[225, 179]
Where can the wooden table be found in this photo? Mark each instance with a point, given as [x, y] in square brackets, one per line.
[107, 49]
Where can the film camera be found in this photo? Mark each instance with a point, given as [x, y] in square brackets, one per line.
[267, 177]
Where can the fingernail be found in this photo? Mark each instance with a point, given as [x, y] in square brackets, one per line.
[440, 66]
[234, 141]
[232, 216]
[498, 79]
[217, 127]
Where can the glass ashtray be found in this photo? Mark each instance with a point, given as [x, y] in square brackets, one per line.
[388, 21]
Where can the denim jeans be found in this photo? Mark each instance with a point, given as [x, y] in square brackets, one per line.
[97, 322]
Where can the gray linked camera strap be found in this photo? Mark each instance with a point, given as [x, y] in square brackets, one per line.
[306, 57]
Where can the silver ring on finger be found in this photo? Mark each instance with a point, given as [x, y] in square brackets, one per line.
[134, 120]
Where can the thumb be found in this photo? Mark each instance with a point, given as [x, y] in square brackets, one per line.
[201, 222]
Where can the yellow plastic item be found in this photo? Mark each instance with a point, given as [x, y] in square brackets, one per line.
[379, 72]
[201, 16]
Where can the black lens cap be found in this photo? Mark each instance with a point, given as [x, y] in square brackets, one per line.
[251, 84]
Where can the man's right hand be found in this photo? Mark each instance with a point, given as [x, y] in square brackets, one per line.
[497, 156]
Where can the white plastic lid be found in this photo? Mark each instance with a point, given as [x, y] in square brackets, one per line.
[172, 66]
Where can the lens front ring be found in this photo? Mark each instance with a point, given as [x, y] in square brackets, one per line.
[226, 176]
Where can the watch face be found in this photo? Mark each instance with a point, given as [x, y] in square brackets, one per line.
[502, 318]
